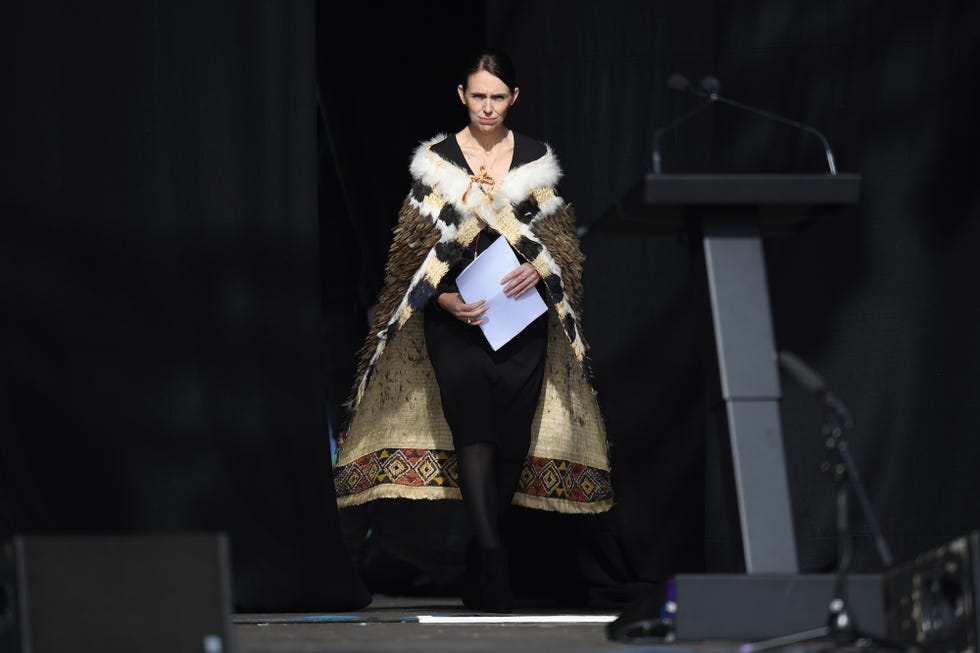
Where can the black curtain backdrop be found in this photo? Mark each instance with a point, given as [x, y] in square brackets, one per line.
[169, 349]
[877, 299]
[159, 274]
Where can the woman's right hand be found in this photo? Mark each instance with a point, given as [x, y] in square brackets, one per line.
[453, 303]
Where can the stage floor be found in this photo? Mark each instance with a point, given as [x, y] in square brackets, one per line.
[417, 625]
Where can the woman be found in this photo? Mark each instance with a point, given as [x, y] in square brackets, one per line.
[436, 412]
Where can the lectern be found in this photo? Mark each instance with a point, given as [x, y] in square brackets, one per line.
[730, 214]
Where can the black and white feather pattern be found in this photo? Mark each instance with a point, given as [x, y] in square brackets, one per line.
[524, 196]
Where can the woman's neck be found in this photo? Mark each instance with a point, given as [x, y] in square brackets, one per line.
[488, 140]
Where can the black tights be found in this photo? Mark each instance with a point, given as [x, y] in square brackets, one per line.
[487, 481]
[488, 399]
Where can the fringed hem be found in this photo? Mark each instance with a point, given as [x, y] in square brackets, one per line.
[562, 505]
[521, 499]
[397, 492]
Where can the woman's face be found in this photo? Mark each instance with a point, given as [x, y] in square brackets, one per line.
[487, 100]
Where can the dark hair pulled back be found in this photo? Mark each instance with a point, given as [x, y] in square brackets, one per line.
[495, 62]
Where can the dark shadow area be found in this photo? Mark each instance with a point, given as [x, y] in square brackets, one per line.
[160, 273]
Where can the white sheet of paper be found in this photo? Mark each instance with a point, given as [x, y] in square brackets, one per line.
[505, 316]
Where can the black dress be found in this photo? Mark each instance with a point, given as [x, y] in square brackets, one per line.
[487, 395]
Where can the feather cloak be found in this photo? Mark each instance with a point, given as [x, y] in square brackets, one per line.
[398, 444]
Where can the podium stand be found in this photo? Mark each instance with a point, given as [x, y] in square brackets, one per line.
[730, 214]
[726, 217]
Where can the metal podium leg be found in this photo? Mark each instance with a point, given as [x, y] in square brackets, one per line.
[747, 366]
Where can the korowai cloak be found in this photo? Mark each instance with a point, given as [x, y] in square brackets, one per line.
[398, 444]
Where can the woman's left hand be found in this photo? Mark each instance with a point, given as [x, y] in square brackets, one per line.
[520, 280]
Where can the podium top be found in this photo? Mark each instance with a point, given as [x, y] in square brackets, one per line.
[780, 203]
[752, 189]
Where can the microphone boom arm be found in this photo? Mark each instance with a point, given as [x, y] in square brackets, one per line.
[831, 164]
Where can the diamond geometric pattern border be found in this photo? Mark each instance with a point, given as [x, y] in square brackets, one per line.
[563, 479]
[408, 467]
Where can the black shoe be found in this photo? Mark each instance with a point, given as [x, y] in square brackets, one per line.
[472, 593]
[495, 576]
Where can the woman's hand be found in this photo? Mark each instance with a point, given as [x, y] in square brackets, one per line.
[453, 303]
[520, 280]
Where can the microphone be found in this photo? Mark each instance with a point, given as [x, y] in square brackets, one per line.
[711, 90]
[808, 379]
[711, 84]
[834, 428]
[813, 383]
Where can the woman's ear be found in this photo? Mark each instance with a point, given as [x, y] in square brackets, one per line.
[462, 93]
[513, 97]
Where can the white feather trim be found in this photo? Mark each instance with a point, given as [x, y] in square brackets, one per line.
[517, 184]
[452, 181]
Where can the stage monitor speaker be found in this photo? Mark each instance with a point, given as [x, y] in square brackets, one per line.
[932, 599]
[762, 606]
[116, 594]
